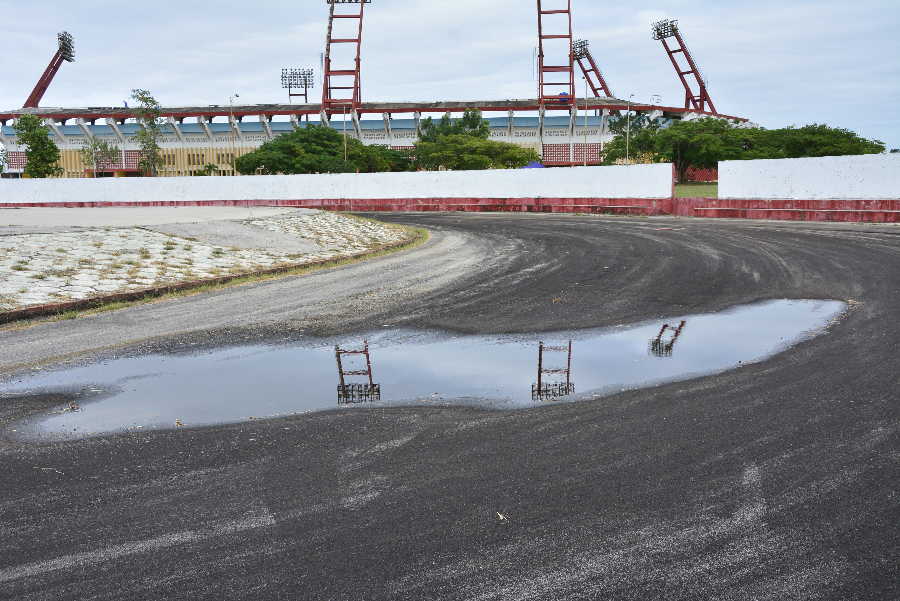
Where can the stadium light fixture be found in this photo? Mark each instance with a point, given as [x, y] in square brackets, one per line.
[580, 48]
[66, 46]
[665, 28]
[300, 79]
[296, 78]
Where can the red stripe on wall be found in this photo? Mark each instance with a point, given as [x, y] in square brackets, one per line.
[630, 206]
[876, 211]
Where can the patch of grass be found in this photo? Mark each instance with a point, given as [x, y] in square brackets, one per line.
[697, 190]
[20, 266]
[218, 252]
[187, 248]
[144, 253]
[62, 251]
[97, 245]
[39, 276]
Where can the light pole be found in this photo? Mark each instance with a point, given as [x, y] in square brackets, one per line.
[345, 133]
[628, 133]
[585, 150]
[231, 126]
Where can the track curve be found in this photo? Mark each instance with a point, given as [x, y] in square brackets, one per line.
[768, 482]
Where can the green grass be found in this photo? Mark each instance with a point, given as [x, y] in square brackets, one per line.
[696, 190]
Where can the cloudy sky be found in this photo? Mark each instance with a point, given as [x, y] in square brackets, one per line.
[777, 62]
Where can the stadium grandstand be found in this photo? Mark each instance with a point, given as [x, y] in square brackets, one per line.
[193, 138]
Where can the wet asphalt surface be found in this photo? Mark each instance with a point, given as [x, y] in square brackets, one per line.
[773, 481]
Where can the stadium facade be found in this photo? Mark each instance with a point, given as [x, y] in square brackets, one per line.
[194, 137]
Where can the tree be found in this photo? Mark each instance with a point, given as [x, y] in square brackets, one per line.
[2, 160]
[471, 124]
[319, 149]
[701, 143]
[637, 146]
[41, 154]
[814, 140]
[148, 115]
[464, 144]
[619, 125]
[466, 152]
[97, 153]
[208, 170]
[705, 142]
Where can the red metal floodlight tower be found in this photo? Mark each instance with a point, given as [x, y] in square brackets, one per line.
[549, 92]
[666, 30]
[335, 97]
[65, 53]
[592, 73]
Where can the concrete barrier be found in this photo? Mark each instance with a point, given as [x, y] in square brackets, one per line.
[866, 177]
[598, 183]
[855, 211]
[624, 190]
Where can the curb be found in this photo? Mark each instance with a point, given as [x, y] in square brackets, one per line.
[7, 317]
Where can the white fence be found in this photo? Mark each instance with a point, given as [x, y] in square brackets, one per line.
[866, 177]
[632, 181]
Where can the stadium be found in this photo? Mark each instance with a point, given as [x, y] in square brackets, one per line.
[564, 129]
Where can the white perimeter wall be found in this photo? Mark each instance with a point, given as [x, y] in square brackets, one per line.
[866, 177]
[630, 181]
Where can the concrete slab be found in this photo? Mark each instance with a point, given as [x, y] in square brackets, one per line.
[237, 234]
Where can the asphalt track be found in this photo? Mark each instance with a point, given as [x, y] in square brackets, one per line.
[774, 481]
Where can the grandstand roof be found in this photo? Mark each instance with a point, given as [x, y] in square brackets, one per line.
[271, 110]
[249, 127]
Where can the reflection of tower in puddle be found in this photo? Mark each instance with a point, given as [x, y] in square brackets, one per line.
[355, 392]
[661, 346]
[554, 387]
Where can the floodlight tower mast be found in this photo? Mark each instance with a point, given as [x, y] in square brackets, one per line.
[64, 53]
[341, 88]
[592, 73]
[555, 90]
[667, 30]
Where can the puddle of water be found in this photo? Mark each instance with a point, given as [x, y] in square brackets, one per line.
[235, 384]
